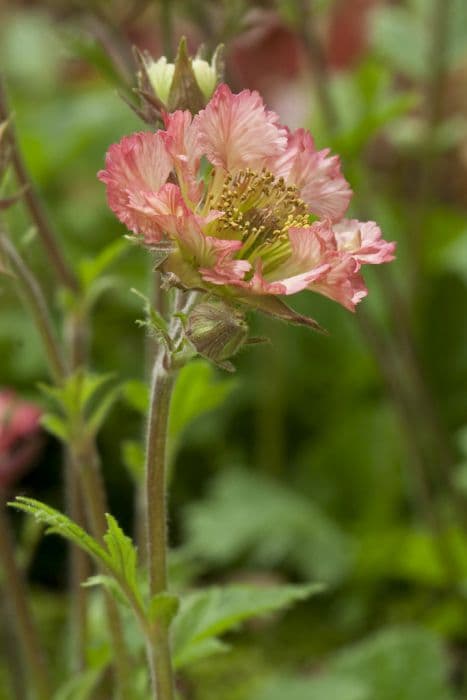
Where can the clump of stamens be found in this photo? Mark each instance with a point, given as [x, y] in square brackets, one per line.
[259, 210]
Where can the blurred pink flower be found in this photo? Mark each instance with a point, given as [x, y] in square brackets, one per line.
[20, 437]
[256, 211]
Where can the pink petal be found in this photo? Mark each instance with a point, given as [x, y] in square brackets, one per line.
[166, 210]
[210, 257]
[181, 142]
[342, 283]
[363, 240]
[236, 131]
[137, 164]
[316, 174]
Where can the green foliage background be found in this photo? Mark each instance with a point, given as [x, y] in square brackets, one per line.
[306, 465]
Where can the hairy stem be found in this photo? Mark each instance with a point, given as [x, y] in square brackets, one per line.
[77, 337]
[87, 465]
[79, 571]
[34, 204]
[158, 649]
[34, 299]
[83, 456]
[15, 592]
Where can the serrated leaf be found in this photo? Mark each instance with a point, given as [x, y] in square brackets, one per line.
[250, 515]
[164, 607]
[109, 584]
[206, 614]
[123, 555]
[62, 525]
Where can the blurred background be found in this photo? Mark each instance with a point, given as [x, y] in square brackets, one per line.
[339, 459]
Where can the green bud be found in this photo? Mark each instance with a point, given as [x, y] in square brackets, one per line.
[217, 332]
[186, 84]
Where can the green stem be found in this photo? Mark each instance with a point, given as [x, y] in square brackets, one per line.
[77, 336]
[84, 456]
[35, 300]
[87, 465]
[79, 571]
[25, 628]
[34, 204]
[158, 650]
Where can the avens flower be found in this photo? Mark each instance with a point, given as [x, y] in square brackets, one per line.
[252, 213]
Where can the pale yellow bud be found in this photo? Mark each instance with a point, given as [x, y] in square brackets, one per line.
[206, 76]
[160, 74]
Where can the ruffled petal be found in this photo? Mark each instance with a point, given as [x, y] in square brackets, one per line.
[237, 131]
[181, 141]
[165, 210]
[363, 241]
[211, 257]
[137, 164]
[342, 283]
[317, 175]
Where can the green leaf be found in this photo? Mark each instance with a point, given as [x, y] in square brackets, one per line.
[92, 268]
[406, 663]
[201, 650]
[326, 688]
[84, 398]
[133, 457]
[250, 515]
[275, 307]
[164, 607]
[109, 583]
[61, 525]
[81, 686]
[100, 412]
[197, 391]
[123, 555]
[206, 614]
[55, 425]
[136, 394]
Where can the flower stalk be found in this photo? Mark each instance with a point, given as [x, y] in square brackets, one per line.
[158, 649]
[33, 202]
[15, 592]
[82, 454]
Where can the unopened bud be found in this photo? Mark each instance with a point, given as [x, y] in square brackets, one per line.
[186, 84]
[217, 332]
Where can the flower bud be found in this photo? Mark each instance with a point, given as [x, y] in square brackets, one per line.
[217, 332]
[186, 84]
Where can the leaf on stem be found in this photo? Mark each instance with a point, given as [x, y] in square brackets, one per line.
[204, 615]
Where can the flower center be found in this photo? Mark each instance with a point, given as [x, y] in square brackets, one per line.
[259, 210]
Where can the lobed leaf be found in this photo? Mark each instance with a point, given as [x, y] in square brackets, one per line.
[206, 614]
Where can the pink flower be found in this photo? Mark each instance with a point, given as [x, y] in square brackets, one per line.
[238, 197]
[20, 436]
[363, 241]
